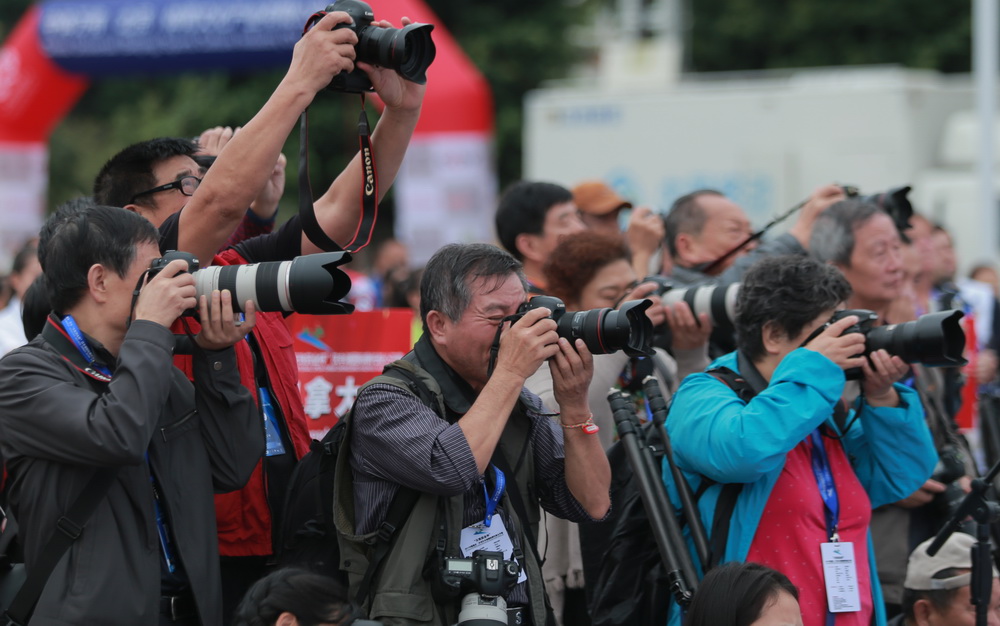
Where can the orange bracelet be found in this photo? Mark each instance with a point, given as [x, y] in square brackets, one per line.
[587, 426]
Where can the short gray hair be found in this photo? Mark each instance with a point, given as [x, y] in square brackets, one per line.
[448, 276]
[832, 239]
[686, 216]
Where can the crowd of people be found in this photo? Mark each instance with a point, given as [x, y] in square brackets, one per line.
[148, 452]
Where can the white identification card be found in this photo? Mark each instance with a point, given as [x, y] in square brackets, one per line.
[493, 537]
[841, 574]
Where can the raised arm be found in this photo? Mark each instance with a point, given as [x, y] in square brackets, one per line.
[339, 208]
[247, 161]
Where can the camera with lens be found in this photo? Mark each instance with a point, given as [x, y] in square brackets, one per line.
[894, 202]
[483, 578]
[718, 301]
[934, 340]
[408, 51]
[307, 284]
[603, 330]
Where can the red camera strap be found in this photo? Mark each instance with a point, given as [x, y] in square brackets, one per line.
[369, 182]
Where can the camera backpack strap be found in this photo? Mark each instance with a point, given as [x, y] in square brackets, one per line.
[405, 499]
[68, 529]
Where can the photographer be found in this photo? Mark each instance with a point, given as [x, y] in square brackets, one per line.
[200, 220]
[531, 219]
[96, 392]
[704, 225]
[794, 434]
[588, 271]
[397, 443]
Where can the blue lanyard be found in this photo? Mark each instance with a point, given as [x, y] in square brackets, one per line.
[827, 488]
[827, 491]
[161, 521]
[69, 324]
[494, 500]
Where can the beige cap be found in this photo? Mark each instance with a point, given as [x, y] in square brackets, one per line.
[954, 554]
[595, 198]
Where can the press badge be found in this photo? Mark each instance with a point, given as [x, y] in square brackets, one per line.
[493, 537]
[841, 574]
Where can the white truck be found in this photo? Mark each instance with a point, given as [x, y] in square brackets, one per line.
[766, 139]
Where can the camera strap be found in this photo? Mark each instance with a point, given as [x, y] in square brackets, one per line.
[369, 181]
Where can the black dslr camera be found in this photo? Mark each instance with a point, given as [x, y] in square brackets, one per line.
[934, 340]
[484, 579]
[894, 202]
[172, 255]
[408, 50]
[603, 330]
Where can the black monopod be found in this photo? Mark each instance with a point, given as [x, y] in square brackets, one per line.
[983, 512]
[681, 574]
[658, 408]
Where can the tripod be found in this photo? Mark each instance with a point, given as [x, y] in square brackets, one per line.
[984, 512]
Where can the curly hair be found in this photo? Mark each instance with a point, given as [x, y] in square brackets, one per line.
[577, 259]
[312, 598]
[789, 291]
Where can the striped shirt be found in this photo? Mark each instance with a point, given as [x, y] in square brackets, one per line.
[397, 440]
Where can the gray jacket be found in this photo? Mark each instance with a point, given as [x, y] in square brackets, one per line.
[684, 277]
[57, 424]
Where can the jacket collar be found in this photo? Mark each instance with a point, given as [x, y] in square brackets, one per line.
[458, 394]
[57, 337]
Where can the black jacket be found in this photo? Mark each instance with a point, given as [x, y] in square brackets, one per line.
[58, 424]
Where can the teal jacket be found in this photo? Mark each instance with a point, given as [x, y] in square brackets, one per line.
[715, 434]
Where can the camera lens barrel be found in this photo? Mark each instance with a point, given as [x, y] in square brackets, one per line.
[307, 284]
[718, 301]
[935, 339]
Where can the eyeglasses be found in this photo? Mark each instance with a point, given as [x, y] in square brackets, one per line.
[185, 184]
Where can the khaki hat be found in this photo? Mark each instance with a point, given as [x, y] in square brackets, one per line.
[954, 554]
[595, 198]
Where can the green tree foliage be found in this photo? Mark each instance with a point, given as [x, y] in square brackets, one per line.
[765, 34]
[517, 46]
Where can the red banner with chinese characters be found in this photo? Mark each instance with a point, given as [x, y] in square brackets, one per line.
[337, 354]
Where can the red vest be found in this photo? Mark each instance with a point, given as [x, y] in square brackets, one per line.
[244, 517]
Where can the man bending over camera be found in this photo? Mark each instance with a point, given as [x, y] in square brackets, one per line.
[485, 431]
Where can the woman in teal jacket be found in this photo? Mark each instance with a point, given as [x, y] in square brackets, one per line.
[810, 479]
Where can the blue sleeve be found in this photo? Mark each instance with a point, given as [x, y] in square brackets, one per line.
[891, 448]
[716, 434]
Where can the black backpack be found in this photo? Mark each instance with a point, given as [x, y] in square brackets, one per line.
[308, 534]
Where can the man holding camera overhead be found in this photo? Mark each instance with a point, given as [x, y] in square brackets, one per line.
[790, 474]
[95, 397]
[157, 179]
[455, 432]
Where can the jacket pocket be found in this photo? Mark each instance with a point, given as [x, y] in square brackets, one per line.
[176, 429]
[410, 606]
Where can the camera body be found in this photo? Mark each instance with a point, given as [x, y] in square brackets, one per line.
[157, 265]
[603, 330]
[408, 50]
[484, 578]
[486, 573]
[894, 202]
